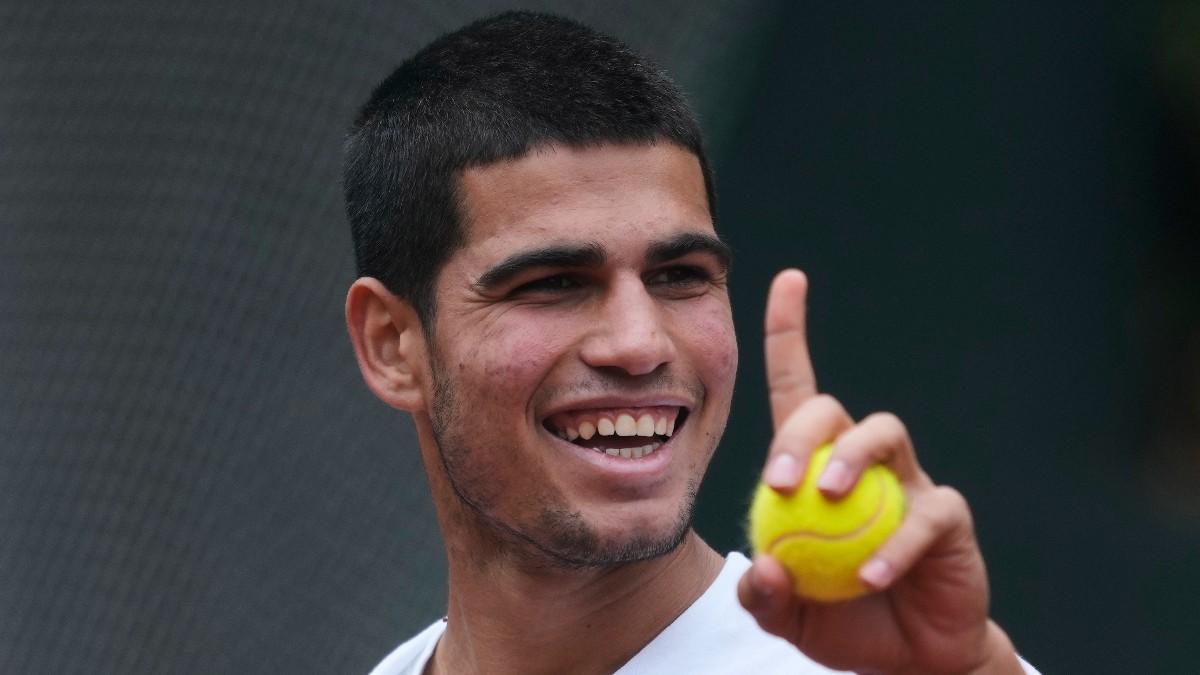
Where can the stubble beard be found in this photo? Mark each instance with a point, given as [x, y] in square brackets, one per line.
[558, 536]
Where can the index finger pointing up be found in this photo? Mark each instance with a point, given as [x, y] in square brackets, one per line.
[790, 377]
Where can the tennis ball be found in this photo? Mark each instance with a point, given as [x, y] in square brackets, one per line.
[824, 542]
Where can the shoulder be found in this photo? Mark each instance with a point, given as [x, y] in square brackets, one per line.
[410, 658]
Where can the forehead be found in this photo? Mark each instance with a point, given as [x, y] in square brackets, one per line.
[618, 195]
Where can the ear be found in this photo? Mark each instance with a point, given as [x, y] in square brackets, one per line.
[388, 343]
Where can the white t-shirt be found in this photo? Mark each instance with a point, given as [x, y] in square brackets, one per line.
[714, 636]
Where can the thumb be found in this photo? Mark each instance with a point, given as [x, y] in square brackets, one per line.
[765, 590]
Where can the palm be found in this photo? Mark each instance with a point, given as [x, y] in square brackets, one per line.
[914, 625]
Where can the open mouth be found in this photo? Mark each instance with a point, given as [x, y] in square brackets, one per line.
[631, 433]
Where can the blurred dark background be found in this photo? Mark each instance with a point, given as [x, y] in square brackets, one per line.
[997, 205]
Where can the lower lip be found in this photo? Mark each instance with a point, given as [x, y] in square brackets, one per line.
[647, 467]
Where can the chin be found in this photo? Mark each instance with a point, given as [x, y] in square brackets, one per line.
[618, 551]
[574, 542]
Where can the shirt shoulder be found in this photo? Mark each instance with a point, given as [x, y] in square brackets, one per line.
[410, 658]
[715, 635]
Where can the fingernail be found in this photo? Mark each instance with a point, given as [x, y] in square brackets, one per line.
[877, 573]
[761, 589]
[835, 478]
[783, 472]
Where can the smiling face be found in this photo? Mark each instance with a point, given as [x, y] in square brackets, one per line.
[583, 352]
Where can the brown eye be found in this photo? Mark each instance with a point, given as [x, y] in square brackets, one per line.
[555, 283]
[680, 276]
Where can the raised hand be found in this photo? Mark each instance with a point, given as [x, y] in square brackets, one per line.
[930, 614]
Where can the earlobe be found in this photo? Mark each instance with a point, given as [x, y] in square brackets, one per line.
[388, 343]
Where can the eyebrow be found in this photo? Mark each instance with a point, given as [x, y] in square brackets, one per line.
[690, 242]
[590, 254]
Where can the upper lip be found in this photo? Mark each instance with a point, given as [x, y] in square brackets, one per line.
[619, 401]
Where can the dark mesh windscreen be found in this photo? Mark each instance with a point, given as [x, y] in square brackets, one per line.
[193, 478]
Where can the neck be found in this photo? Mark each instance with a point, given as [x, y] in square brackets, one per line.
[508, 618]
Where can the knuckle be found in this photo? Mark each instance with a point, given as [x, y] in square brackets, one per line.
[881, 437]
[828, 405]
[951, 498]
[890, 423]
[951, 505]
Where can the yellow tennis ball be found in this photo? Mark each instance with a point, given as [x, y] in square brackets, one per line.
[823, 542]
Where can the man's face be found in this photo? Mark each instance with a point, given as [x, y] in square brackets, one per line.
[583, 350]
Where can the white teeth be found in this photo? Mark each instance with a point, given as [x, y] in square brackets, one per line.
[630, 453]
[645, 425]
[587, 430]
[625, 425]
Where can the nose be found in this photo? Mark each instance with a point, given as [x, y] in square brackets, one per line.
[630, 331]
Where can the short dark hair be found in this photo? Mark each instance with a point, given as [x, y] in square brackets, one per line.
[493, 90]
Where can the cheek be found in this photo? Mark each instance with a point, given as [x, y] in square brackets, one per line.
[511, 358]
[710, 337]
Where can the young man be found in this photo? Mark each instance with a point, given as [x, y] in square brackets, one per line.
[543, 290]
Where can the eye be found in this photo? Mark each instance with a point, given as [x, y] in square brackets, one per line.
[555, 283]
[680, 277]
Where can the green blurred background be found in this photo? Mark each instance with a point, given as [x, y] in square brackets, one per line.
[997, 205]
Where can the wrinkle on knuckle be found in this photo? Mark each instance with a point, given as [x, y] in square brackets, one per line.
[783, 328]
[785, 381]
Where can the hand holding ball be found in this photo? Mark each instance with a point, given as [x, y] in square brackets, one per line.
[821, 542]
